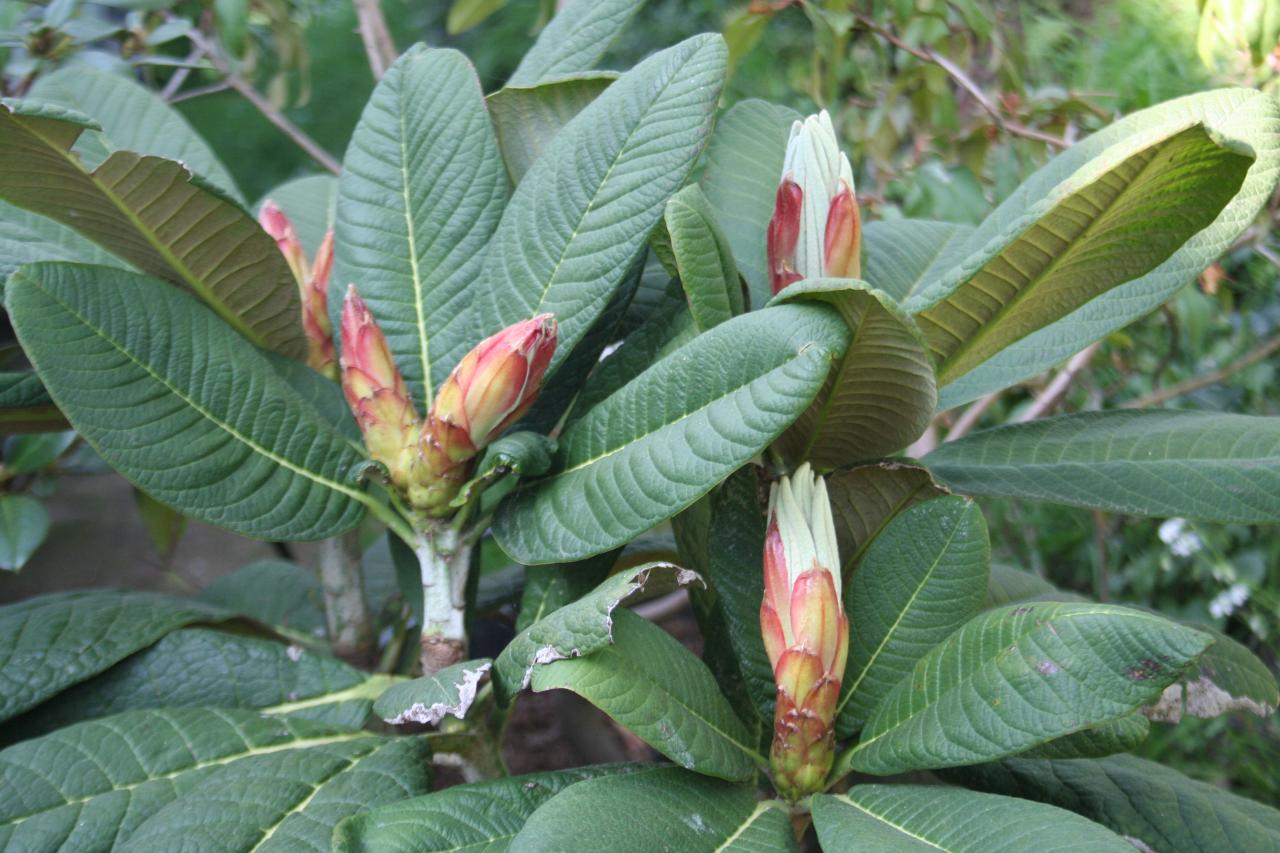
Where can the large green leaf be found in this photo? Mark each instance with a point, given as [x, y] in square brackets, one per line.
[421, 191]
[1116, 219]
[27, 237]
[482, 817]
[649, 683]
[151, 212]
[881, 395]
[662, 808]
[584, 210]
[899, 256]
[703, 258]
[866, 498]
[133, 118]
[1019, 676]
[191, 668]
[289, 801]
[743, 169]
[427, 700]
[919, 818]
[667, 437]
[1140, 799]
[90, 786]
[577, 36]
[550, 587]
[1120, 735]
[921, 579]
[51, 642]
[24, 523]
[311, 203]
[181, 405]
[277, 593]
[581, 627]
[1246, 119]
[1007, 585]
[527, 118]
[1204, 465]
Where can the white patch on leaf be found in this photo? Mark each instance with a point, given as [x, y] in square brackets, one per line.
[421, 712]
[1204, 699]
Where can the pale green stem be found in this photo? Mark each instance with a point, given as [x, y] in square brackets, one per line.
[444, 558]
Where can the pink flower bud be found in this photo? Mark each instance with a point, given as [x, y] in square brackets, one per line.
[842, 241]
[805, 630]
[376, 391]
[278, 225]
[315, 310]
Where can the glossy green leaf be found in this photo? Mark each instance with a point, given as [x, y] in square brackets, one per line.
[89, 787]
[899, 256]
[52, 642]
[580, 628]
[27, 237]
[881, 395]
[195, 667]
[866, 498]
[1139, 799]
[1246, 119]
[527, 118]
[743, 168]
[151, 212]
[427, 700]
[277, 593]
[482, 817]
[181, 405]
[550, 587]
[1020, 676]
[311, 203]
[921, 579]
[24, 523]
[583, 212]
[681, 811]
[655, 687]
[1120, 735]
[1118, 218]
[1204, 465]
[576, 38]
[703, 259]
[919, 818]
[133, 118]
[288, 800]
[671, 434]
[421, 191]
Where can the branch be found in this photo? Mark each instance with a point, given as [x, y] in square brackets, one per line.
[273, 115]
[970, 417]
[1057, 389]
[378, 44]
[964, 81]
[180, 76]
[1249, 359]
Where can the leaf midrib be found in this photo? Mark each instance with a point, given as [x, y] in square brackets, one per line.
[188, 276]
[846, 798]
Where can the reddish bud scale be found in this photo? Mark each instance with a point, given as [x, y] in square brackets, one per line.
[782, 234]
[277, 224]
[842, 242]
[805, 631]
[376, 392]
[489, 390]
[315, 311]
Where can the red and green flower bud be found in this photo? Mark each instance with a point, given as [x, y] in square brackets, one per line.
[489, 390]
[815, 231]
[278, 225]
[376, 392]
[806, 632]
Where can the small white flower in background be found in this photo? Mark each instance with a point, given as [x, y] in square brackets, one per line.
[1229, 600]
[1181, 541]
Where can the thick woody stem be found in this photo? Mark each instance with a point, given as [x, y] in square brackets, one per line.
[444, 558]
[346, 611]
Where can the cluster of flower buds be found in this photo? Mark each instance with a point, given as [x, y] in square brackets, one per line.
[313, 285]
[806, 632]
[816, 230]
[494, 384]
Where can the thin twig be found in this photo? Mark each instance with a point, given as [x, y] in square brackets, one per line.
[970, 417]
[965, 82]
[200, 92]
[273, 115]
[378, 44]
[1249, 359]
[1052, 396]
[179, 77]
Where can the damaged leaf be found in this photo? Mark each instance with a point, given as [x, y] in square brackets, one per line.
[1228, 678]
[428, 699]
[580, 628]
